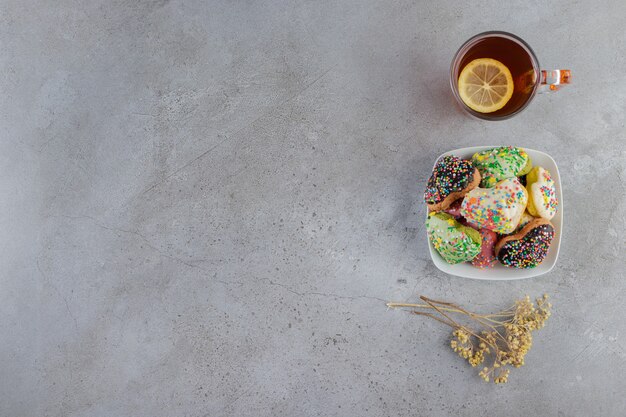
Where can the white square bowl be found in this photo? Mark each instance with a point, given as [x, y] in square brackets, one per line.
[499, 271]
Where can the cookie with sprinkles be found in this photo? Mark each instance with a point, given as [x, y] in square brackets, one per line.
[527, 248]
[499, 208]
[498, 164]
[454, 242]
[486, 258]
[542, 201]
[450, 180]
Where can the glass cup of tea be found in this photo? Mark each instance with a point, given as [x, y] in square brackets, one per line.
[495, 75]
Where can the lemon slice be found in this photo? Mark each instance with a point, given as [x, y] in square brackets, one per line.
[485, 85]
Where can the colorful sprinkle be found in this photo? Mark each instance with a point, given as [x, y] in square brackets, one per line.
[530, 250]
[453, 241]
[499, 163]
[450, 174]
[499, 208]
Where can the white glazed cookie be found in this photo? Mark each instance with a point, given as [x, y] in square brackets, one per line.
[499, 208]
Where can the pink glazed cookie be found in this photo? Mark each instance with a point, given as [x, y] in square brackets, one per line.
[486, 258]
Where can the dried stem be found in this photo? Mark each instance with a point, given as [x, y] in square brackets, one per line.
[516, 323]
[432, 316]
[451, 308]
[396, 305]
[429, 302]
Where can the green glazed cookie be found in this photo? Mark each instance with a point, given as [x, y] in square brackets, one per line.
[498, 164]
[454, 242]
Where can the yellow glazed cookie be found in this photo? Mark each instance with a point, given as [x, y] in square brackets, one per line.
[542, 200]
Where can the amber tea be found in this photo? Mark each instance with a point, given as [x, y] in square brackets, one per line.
[495, 75]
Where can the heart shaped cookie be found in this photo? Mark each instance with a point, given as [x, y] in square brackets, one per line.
[498, 208]
[542, 200]
[454, 242]
[498, 164]
[451, 179]
[527, 248]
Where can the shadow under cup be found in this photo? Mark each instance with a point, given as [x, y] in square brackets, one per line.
[515, 54]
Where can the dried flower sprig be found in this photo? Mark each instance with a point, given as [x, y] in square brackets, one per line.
[505, 337]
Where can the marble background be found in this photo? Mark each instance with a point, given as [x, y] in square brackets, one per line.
[206, 204]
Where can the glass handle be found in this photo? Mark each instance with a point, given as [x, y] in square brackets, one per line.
[554, 80]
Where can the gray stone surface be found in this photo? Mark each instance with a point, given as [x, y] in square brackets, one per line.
[205, 206]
